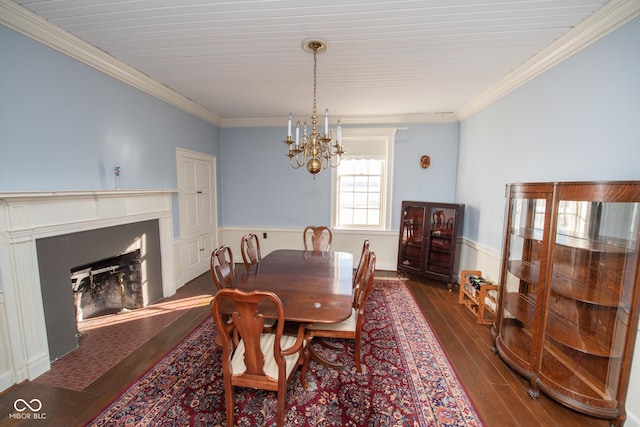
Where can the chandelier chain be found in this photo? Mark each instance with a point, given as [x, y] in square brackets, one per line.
[315, 85]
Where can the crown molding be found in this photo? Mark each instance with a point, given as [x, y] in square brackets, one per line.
[349, 120]
[39, 29]
[611, 16]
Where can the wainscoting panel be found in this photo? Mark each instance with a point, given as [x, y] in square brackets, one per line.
[474, 256]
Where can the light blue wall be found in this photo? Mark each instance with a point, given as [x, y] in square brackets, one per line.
[437, 183]
[260, 189]
[64, 125]
[579, 121]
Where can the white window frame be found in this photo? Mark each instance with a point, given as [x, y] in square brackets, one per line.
[383, 136]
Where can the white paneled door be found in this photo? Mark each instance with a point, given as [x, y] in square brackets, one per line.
[198, 218]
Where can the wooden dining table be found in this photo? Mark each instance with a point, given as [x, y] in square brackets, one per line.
[314, 286]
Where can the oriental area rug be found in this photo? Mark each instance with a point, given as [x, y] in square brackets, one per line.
[407, 380]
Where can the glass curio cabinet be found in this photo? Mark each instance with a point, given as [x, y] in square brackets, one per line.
[428, 239]
[569, 295]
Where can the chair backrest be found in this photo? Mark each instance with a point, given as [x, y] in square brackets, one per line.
[315, 238]
[363, 255]
[364, 284]
[250, 248]
[248, 322]
[251, 358]
[223, 269]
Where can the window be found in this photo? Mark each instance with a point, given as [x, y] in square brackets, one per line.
[361, 184]
[359, 192]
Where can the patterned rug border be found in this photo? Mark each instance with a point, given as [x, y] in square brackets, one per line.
[417, 346]
[400, 310]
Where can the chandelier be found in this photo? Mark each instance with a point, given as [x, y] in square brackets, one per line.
[315, 150]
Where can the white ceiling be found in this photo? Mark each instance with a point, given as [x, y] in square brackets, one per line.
[243, 59]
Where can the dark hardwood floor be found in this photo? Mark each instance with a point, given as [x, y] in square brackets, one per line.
[499, 394]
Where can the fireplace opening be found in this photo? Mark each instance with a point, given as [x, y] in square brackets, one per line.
[108, 286]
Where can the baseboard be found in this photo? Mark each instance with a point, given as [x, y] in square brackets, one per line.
[7, 380]
[38, 366]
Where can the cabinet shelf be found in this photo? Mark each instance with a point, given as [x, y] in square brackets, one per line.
[528, 233]
[566, 286]
[440, 250]
[519, 307]
[525, 271]
[566, 315]
[611, 245]
[584, 292]
[517, 348]
[561, 328]
[413, 243]
[583, 382]
[596, 341]
[616, 246]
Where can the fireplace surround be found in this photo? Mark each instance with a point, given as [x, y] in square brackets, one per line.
[57, 255]
[29, 218]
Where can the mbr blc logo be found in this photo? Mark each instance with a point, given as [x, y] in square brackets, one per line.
[22, 405]
[33, 405]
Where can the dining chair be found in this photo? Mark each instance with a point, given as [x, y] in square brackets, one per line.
[350, 328]
[314, 237]
[223, 269]
[360, 267]
[250, 249]
[253, 358]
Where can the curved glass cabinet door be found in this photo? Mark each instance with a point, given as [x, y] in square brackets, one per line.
[588, 315]
[523, 272]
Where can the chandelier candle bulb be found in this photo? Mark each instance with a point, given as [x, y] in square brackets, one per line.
[326, 121]
[289, 127]
[297, 133]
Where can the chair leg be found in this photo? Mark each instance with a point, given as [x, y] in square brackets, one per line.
[229, 402]
[304, 354]
[357, 353]
[281, 406]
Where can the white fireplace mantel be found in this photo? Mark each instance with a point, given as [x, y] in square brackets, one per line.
[28, 216]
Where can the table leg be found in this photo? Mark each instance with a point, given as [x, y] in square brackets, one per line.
[315, 356]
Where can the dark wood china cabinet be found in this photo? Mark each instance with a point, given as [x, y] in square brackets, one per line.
[569, 291]
[428, 239]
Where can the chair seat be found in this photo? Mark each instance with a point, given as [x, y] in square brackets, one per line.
[266, 345]
[347, 325]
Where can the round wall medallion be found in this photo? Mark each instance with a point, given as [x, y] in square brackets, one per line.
[425, 161]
